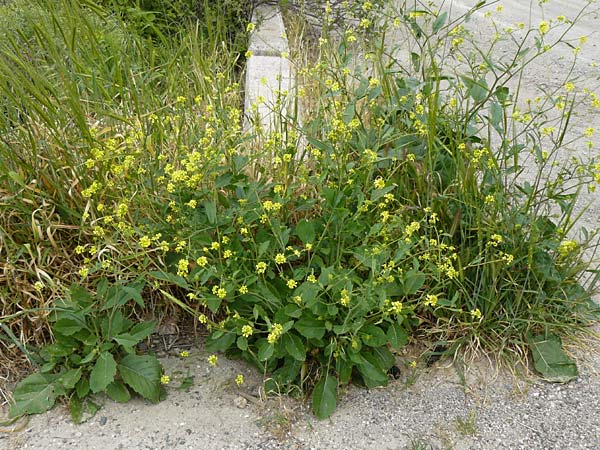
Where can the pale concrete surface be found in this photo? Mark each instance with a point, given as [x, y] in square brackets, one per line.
[269, 74]
[270, 38]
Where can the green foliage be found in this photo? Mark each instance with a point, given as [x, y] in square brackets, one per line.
[414, 196]
[219, 21]
[93, 352]
[550, 360]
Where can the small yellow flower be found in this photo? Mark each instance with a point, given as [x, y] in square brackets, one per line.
[475, 314]
[292, 284]
[202, 318]
[379, 183]
[184, 354]
[212, 360]
[243, 289]
[215, 246]
[183, 267]
[544, 27]
[344, 297]
[202, 261]
[261, 267]
[247, 331]
[239, 380]
[280, 258]
[275, 333]
[250, 27]
[311, 278]
[431, 300]
[165, 379]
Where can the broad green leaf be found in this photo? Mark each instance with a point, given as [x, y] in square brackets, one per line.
[373, 336]
[219, 342]
[35, 394]
[69, 325]
[372, 375]
[126, 340]
[289, 372]
[310, 328]
[294, 346]
[265, 350]
[242, 343]
[132, 293]
[137, 333]
[82, 388]
[103, 373]
[413, 281]
[142, 374]
[118, 392]
[213, 302]
[397, 336]
[324, 396]
[69, 379]
[344, 369]
[306, 231]
[550, 360]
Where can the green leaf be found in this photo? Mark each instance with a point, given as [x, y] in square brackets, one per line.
[213, 302]
[132, 293]
[118, 392]
[373, 336]
[170, 278]
[103, 373]
[294, 346]
[344, 369]
[242, 343]
[372, 375]
[137, 333]
[305, 230]
[211, 212]
[76, 409]
[310, 328]
[220, 341]
[550, 360]
[324, 396]
[35, 394]
[82, 388]
[440, 21]
[186, 383]
[69, 325]
[397, 336]
[142, 374]
[265, 350]
[413, 281]
[69, 379]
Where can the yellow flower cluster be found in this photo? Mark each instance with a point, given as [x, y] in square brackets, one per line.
[276, 332]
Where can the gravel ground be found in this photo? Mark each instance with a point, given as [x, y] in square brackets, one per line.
[426, 408]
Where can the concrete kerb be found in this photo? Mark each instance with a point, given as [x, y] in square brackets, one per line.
[269, 73]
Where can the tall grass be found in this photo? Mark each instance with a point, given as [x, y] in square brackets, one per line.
[87, 98]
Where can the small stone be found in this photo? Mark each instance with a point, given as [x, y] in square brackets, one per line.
[103, 420]
[240, 402]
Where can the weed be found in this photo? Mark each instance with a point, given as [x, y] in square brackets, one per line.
[467, 426]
